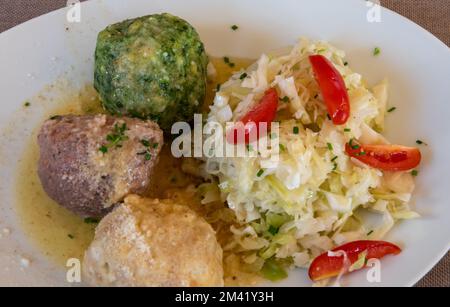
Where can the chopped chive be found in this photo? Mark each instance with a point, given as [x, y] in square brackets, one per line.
[249, 147]
[392, 109]
[282, 147]
[243, 76]
[347, 130]
[376, 51]
[115, 138]
[260, 172]
[415, 173]
[234, 27]
[27, 104]
[218, 87]
[353, 146]
[155, 145]
[345, 63]
[362, 153]
[91, 220]
[369, 233]
[148, 156]
[273, 230]
[295, 130]
[420, 142]
[70, 236]
[335, 166]
[285, 99]
[330, 146]
[227, 61]
[334, 159]
[145, 143]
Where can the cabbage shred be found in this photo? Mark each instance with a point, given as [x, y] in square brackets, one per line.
[316, 197]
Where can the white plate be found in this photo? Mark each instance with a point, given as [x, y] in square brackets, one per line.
[417, 65]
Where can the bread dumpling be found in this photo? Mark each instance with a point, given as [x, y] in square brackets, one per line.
[148, 242]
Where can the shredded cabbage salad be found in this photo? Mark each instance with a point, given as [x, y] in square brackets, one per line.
[316, 197]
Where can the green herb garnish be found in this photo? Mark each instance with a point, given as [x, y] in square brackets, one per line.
[334, 159]
[369, 233]
[91, 220]
[352, 145]
[243, 76]
[330, 146]
[71, 236]
[392, 109]
[27, 104]
[260, 172]
[273, 230]
[420, 142]
[218, 87]
[115, 138]
[282, 147]
[227, 61]
[295, 130]
[347, 130]
[285, 99]
[376, 51]
[415, 173]
[146, 143]
[234, 27]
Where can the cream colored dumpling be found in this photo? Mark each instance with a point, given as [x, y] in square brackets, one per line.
[148, 242]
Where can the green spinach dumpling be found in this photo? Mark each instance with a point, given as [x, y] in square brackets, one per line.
[151, 67]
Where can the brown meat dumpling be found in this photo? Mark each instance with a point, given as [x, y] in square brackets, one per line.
[89, 163]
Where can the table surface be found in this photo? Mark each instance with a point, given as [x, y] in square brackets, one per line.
[433, 15]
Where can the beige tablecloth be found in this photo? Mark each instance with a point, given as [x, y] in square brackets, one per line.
[433, 15]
